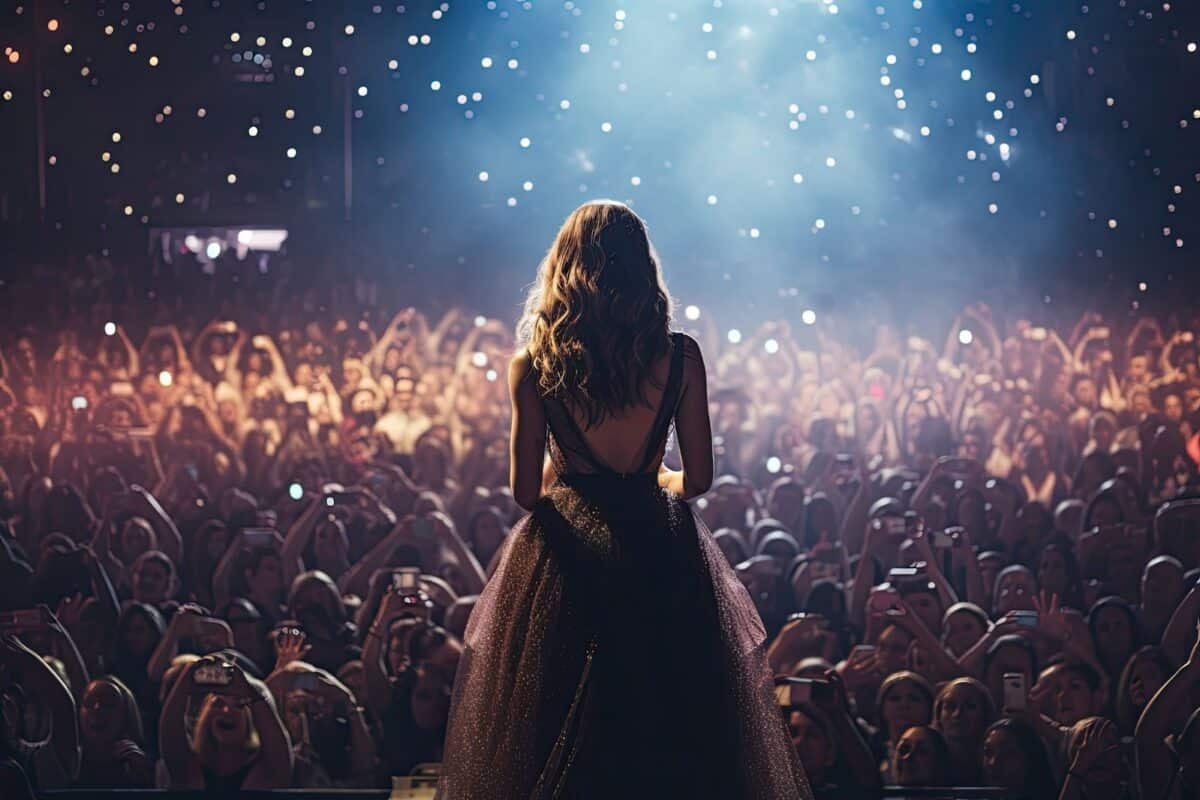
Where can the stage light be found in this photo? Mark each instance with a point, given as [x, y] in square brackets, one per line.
[692, 312]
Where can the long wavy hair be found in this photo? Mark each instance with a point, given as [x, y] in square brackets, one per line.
[598, 315]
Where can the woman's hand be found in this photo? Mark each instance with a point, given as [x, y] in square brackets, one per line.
[291, 644]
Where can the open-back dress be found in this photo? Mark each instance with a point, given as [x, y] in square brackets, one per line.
[614, 653]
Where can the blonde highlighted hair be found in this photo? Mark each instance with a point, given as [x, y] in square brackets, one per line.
[204, 744]
[598, 315]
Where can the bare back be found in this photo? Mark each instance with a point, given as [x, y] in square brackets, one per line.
[632, 441]
[620, 441]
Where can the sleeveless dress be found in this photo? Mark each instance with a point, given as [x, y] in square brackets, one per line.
[614, 653]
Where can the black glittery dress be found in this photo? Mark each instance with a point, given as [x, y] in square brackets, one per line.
[614, 653]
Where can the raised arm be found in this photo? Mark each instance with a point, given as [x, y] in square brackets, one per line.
[1155, 764]
[356, 580]
[693, 429]
[1180, 633]
[279, 371]
[38, 679]
[298, 536]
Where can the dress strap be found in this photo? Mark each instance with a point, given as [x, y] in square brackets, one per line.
[570, 438]
[668, 406]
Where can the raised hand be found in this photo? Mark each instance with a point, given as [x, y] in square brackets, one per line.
[290, 645]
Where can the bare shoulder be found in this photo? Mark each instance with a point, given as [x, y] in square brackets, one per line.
[520, 368]
[691, 351]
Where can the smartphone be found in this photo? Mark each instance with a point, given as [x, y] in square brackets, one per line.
[882, 600]
[901, 574]
[1026, 619]
[1014, 691]
[406, 580]
[121, 389]
[338, 498]
[24, 619]
[800, 691]
[258, 537]
[214, 673]
[861, 652]
[947, 539]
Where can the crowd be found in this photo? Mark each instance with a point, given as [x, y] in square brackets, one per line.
[242, 553]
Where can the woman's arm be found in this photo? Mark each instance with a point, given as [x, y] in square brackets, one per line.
[133, 366]
[172, 731]
[297, 539]
[39, 680]
[855, 520]
[472, 573]
[527, 442]
[356, 580]
[1155, 765]
[274, 763]
[1180, 633]
[693, 429]
[379, 688]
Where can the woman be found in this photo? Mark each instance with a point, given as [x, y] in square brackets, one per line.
[1014, 758]
[1144, 674]
[140, 628]
[1058, 573]
[921, 758]
[1097, 766]
[110, 728]
[813, 737]
[905, 701]
[238, 741]
[963, 625]
[1114, 628]
[485, 533]
[561, 681]
[318, 608]
[962, 712]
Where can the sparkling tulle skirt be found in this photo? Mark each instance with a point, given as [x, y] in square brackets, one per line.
[614, 653]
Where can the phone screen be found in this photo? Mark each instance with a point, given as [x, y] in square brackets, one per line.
[1026, 619]
[213, 674]
[406, 580]
[1014, 691]
[259, 537]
